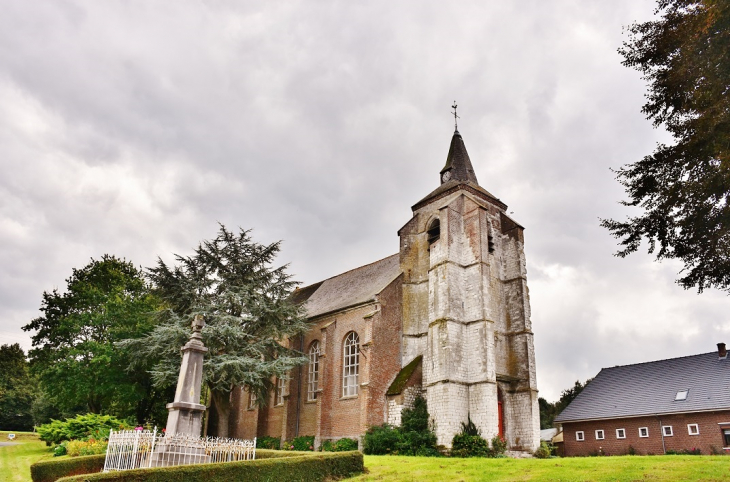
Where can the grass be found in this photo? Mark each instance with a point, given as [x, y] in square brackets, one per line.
[16, 459]
[626, 468]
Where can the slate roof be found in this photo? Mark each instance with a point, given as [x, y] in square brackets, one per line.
[351, 288]
[458, 162]
[650, 389]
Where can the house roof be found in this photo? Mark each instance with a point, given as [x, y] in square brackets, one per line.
[351, 288]
[650, 389]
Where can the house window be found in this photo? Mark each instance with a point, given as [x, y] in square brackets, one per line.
[600, 435]
[313, 378]
[280, 390]
[726, 437]
[681, 395]
[251, 400]
[620, 433]
[667, 431]
[693, 429]
[580, 436]
[644, 432]
[350, 365]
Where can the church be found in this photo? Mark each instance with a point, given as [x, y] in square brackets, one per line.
[447, 317]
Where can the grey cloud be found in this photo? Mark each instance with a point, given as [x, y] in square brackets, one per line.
[133, 128]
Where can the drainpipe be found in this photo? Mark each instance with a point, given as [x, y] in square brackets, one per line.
[299, 387]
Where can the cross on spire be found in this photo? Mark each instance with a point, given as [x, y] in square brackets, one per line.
[456, 125]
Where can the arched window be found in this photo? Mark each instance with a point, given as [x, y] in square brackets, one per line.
[350, 365]
[434, 231]
[313, 380]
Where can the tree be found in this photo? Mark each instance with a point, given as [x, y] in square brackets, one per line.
[74, 354]
[548, 411]
[248, 314]
[16, 389]
[684, 188]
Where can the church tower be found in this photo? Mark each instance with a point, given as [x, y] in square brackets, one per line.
[466, 309]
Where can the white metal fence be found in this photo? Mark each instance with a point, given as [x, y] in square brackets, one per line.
[133, 449]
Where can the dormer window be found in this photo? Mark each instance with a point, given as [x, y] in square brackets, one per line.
[434, 231]
[681, 395]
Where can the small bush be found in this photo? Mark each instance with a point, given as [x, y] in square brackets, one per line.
[415, 436]
[381, 440]
[499, 446]
[345, 445]
[302, 444]
[464, 445]
[693, 451]
[273, 443]
[341, 445]
[60, 450]
[544, 451]
[82, 427]
[76, 448]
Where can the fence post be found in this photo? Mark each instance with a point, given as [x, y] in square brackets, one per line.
[152, 448]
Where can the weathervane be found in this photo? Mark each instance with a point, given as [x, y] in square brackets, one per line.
[456, 125]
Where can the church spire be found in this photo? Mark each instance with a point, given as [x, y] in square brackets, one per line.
[458, 165]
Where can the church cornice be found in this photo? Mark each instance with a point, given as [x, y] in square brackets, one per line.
[451, 187]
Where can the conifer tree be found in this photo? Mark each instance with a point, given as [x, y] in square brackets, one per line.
[249, 318]
[683, 189]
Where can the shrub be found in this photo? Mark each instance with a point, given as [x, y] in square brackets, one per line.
[54, 469]
[82, 427]
[59, 450]
[417, 435]
[381, 440]
[304, 467]
[544, 451]
[75, 448]
[464, 445]
[414, 437]
[273, 443]
[345, 445]
[341, 445]
[499, 446]
[303, 443]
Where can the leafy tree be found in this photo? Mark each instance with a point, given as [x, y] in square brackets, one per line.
[74, 354]
[16, 389]
[248, 313]
[683, 188]
[548, 411]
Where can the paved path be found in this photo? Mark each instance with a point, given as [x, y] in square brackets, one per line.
[3, 444]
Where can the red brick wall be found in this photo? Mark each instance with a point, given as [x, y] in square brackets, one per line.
[710, 434]
[385, 361]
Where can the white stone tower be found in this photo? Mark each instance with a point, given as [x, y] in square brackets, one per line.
[466, 309]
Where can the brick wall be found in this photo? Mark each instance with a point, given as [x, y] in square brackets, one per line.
[708, 440]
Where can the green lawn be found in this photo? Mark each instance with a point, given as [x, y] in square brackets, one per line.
[627, 468]
[16, 459]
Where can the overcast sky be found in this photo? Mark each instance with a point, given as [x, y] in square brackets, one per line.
[133, 128]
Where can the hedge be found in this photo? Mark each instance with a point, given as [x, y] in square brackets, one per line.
[54, 469]
[299, 466]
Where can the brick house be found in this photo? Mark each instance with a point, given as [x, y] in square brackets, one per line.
[653, 408]
[447, 317]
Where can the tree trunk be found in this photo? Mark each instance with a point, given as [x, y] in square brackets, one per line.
[222, 406]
